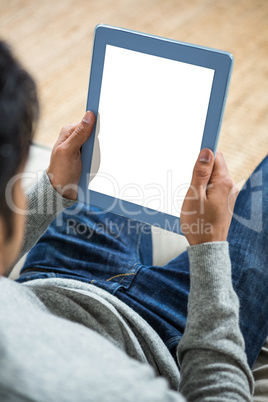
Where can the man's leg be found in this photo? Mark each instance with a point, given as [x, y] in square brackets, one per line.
[248, 239]
[91, 246]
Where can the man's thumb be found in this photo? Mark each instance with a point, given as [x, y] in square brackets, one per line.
[82, 131]
[203, 168]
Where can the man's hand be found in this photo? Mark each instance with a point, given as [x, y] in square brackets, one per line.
[65, 163]
[208, 206]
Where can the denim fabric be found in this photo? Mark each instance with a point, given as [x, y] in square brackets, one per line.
[115, 253]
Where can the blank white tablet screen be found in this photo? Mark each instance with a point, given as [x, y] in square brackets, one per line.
[152, 114]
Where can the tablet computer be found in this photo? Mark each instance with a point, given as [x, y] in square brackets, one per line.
[157, 102]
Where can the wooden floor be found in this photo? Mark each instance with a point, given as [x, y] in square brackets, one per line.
[53, 39]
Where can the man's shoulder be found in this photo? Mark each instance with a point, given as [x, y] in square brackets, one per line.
[16, 299]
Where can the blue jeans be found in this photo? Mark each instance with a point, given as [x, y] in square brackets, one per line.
[115, 254]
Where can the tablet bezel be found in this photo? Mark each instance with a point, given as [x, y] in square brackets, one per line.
[220, 61]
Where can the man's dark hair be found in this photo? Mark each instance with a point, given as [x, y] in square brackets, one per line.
[18, 117]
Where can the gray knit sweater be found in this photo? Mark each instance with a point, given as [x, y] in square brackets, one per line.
[64, 340]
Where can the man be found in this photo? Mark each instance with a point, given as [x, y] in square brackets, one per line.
[89, 318]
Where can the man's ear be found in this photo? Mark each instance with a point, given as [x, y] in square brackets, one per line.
[2, 242]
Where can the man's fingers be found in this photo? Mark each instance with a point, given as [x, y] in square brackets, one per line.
[220, 167]
[66, 131]
[220, 173]
[203, 169]
[82, 132]
[220, 177]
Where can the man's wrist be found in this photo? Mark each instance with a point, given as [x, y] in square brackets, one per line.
[210, 263]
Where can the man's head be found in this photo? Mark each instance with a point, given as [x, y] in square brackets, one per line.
[18, 117]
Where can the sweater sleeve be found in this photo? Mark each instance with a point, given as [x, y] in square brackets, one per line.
[211, 353]
[44, 203]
